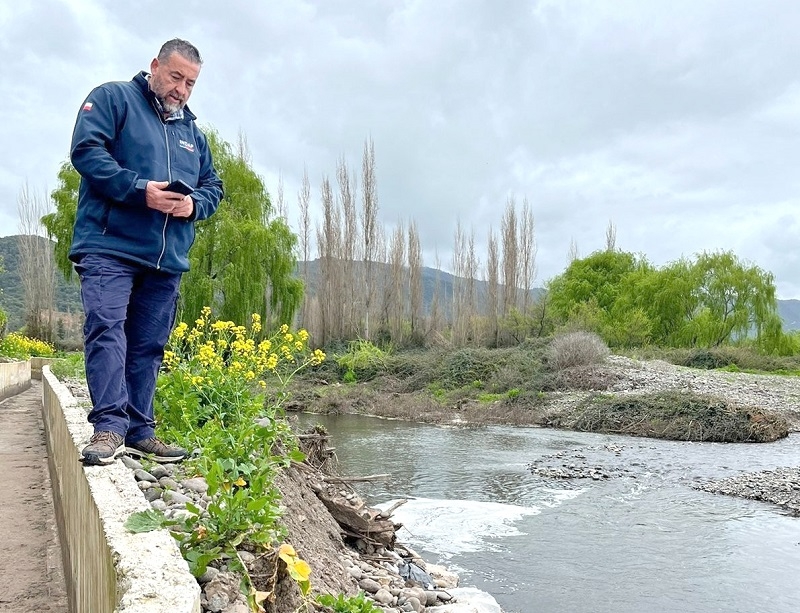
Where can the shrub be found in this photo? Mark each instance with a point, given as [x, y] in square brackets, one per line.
[575, 349]
[676, 416]
[21, 347]
[363, 359]
[466, 366]
[71, 366]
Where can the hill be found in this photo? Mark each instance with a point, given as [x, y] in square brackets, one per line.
[12, 295]
[789, 311]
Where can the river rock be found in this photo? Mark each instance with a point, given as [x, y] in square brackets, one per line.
[383, 596]
[169, 483]
[355, 572]
[196, 484]
[369, 585]
[132, 463]
[152, 493]
[142, 475]
[174, 498]
[159, 471]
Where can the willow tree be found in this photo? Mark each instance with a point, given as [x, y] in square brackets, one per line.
[59, 224]
[243, 258]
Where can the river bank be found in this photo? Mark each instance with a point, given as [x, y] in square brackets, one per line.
[617, 376]
[341, 569]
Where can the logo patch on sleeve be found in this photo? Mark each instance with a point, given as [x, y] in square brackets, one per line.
[87, 106]
[186, 145]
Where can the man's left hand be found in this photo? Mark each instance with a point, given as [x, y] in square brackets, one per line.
[185, 208]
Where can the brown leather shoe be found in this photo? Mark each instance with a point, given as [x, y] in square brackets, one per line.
[104, 447]
[156, 450]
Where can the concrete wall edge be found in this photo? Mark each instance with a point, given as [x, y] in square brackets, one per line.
[151, 575]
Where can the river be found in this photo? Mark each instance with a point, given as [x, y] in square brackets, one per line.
[642, 540]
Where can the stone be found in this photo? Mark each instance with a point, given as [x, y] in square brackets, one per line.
[431, 598]
[383, 596]
[142, 475]
[369, 585]
[197, 484]
[415, 592]
[246, 557]
[173, 498]
[152, 493]
[169, 483]
[355, 572]
[159, 472]
[132, 463]
[207, 576]
[158, 505]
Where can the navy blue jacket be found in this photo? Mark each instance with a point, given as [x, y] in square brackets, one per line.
[121, 142]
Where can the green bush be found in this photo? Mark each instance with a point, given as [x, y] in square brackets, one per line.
[71, 366]
[363, 359]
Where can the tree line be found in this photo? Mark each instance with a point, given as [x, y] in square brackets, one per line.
[370, 284]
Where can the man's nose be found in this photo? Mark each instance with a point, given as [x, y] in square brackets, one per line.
[182, 88]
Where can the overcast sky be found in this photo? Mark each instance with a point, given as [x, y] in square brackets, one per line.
[677, 121]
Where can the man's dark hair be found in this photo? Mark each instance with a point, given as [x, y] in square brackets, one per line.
[183, 48]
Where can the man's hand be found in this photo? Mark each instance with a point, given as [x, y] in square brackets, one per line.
[172, 203]
[185, 208]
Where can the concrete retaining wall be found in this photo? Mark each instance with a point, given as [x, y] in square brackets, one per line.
[15, 377]
[36, 366]
[108, 569]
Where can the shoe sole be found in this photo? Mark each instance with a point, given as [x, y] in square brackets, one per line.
[135, 453]
[92, 459]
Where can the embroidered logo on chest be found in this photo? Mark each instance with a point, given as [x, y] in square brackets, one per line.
[186, 145]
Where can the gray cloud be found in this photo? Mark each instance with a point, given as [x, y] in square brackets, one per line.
[676, 121]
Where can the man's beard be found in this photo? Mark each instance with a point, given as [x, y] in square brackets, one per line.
[170, 107]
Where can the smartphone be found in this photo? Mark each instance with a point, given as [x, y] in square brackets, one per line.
[181, 187]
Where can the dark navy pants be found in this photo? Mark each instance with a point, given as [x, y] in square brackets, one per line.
[130, 310]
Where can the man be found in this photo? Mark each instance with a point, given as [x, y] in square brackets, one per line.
[131, 241]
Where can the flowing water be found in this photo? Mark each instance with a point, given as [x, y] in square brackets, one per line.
[640, 541]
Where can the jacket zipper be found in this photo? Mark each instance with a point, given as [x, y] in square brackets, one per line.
[166, 215]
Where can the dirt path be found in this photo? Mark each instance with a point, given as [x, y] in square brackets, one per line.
[31, 572]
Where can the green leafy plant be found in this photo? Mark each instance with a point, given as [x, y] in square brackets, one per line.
[221, 393]
[348, 604]
[363, 359]
[71, 365]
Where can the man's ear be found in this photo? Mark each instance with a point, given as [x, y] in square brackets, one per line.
[153, 65]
